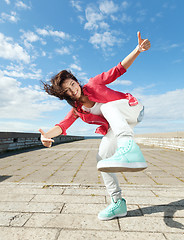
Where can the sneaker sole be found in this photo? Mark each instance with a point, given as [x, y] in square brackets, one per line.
[126, 167]
[116, 216]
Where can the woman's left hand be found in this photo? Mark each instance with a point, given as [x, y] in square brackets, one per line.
[144, 44]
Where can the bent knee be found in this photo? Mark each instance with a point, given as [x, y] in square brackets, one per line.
[106, 106]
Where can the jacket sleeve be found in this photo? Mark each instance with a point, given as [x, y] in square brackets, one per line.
[109, 76]
[67, 121]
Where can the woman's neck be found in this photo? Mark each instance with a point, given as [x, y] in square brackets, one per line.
[86, 102]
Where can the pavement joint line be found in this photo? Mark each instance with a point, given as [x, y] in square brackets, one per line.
[169, 173]
[96, 230]
[154, 193]
[74, 176]
[125, 178]
[58, 233]
[75, 185]
[99, 178]
[32, 198]
[62, 208]
[28, 219]
[26, 175]
[165, 236]
[119, 226]
[60, 166]
[153, 179]
[105, 199]
[140, 209]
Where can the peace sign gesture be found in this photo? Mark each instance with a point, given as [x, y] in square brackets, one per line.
[143, 44]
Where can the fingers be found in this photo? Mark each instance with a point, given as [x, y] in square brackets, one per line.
[47, 144]
[139, 37]
[41, 131]
[44, 138]
[145, 45]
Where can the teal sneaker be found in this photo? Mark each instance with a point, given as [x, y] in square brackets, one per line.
[114, 210]
[127, 158]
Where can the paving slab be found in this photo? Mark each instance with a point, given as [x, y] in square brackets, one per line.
[57, 193]
[15, 233]
[101, 235]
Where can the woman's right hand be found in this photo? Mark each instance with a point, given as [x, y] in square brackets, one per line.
[47, 142]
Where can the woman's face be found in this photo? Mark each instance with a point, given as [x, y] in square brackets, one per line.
[72, 88]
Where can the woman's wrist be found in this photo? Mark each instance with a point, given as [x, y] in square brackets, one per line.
[139, 48]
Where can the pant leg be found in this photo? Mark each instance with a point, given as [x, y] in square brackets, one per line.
[121, 116]
[107, 148]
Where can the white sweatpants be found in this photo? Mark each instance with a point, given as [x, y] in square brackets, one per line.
[122, 119]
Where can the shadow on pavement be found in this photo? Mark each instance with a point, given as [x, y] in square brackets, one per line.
[168, 210]
[4, 177]
[19, 151]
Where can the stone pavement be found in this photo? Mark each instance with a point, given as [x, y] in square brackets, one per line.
[56, 193]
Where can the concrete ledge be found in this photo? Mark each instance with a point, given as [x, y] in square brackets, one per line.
[170, 140]
[17, 140]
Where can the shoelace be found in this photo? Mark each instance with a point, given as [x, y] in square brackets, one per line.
[122, 150]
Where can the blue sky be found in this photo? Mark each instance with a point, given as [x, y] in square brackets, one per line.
[40, 38]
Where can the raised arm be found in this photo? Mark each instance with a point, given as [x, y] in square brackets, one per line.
[143, 45]
[58, 129]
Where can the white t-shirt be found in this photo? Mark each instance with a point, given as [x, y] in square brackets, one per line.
[95, 109]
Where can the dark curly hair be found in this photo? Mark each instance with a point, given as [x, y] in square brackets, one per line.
[54, 87]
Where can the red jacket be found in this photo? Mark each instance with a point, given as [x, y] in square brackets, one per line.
[97, 91]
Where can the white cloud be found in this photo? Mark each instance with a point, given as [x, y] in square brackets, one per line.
[21, 5]
[104, 25]
[82, 76]
[165, 106]
[30, 37]
[43, 53]
[24, 102]
[7, 1]
[98, 23]
[166, 46]
[104, 40]
[45, 32]
[12, 17]
[76, 4]
[81, 19]
[59, 34]
[93, 17]
[75, 67]
[122, 82]
[12, 51]
[125, 18]
[168, 105]
[114, 18]
[18, 71]
[177, 61]
[18, 126]
[108, 7]
[163, 112]
[125, 4]
[158, 15]
[81, 128]
[63, 50]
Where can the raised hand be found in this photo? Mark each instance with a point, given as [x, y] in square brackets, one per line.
[47, 142]
[144, 44]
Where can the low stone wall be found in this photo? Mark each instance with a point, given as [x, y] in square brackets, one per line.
[172, 140]
[15, 140]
